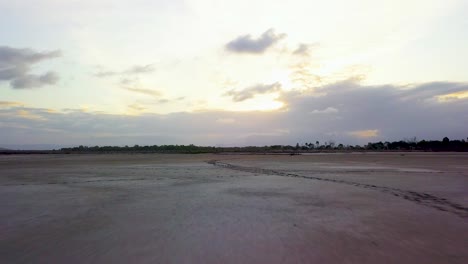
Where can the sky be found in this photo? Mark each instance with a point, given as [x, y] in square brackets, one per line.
[225, 73]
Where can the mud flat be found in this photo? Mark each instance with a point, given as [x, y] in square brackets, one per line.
[153, 208]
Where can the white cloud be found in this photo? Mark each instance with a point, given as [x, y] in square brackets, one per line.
[328, 110]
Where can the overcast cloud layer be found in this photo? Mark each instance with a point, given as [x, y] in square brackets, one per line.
[346, 111]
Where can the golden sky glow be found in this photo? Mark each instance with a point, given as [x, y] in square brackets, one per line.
[365, 133]
[453, 96]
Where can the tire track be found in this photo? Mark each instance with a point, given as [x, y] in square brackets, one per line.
[420, 198]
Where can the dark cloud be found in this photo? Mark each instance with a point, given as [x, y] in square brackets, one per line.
[31, 80]
[345, 112]
[250, 92]
[15, 67]
[395, 112]
[137, 69]
[12, 56]
[248, 44]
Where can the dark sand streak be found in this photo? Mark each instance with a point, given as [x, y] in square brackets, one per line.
[420, 198]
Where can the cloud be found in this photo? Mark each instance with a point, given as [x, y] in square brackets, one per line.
[396, 112]
[140, 69]
[136, 107]
[250, 92]
[155, 94]
[29, 115]
[247, 44]
[15, 67]
[31, 80]
[302, 49]
[103, 74]
[163, 101]
[226, 120]
[366, 113]
[150, 92]
[8, 104]
[134, 70]
[302, 72]
[453, 96]
[328, 110]
[432, 90]
[370, 133]
[126, 81]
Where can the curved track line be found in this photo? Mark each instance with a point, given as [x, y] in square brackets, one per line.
[420, 198]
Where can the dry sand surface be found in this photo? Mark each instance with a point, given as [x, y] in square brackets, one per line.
[151, 208]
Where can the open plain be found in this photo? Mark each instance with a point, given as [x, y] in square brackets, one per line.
[206, 208]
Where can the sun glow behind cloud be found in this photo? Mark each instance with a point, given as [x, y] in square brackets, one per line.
[370, 133]
[453, 96]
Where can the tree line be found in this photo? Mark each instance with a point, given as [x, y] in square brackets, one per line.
[403, 145]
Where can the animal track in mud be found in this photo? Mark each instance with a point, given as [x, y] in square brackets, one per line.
[425, 199]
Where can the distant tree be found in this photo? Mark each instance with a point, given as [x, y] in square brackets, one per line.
[446, 140]
[411, 140]
[386, 144]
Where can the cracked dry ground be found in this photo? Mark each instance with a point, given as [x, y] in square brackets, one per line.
[153, 208]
